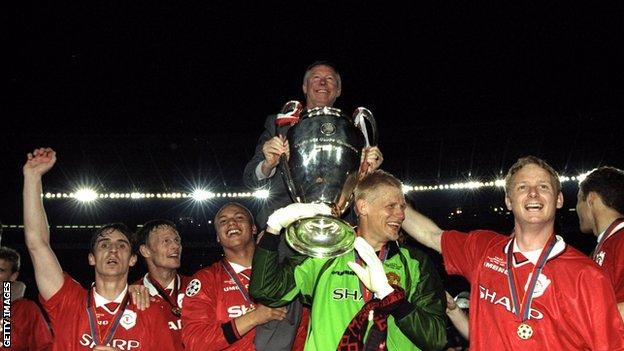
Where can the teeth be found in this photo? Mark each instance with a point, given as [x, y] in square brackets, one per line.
[534, 206]
[233, 231]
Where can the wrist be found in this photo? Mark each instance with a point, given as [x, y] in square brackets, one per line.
[384, 291]
[266, 167]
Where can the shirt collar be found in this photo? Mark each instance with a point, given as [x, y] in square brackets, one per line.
[237, 267]
[152, 289]
[101, 300]
[534, 255]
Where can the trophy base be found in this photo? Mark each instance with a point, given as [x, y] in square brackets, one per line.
[320, 236]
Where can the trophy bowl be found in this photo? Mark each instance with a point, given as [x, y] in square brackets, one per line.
[325, 156]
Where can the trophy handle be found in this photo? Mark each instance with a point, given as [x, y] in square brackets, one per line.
[360, 116]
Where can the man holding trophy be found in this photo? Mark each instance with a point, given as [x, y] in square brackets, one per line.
[381, 295]
[321, 87]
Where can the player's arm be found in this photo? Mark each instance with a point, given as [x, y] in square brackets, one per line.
[48, 272]
[423, 229]
[457, 316]
[203, 328]
[621, 309]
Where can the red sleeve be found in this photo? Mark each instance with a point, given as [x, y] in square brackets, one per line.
[40, 338]
[64, 300]
[614, 264]
[200, 323]
[461, 251]
[597, 320]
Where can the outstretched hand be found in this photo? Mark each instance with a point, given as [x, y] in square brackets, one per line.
[39, 161]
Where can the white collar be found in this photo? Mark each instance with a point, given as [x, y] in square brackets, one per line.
[101, 301]
[237, 267]
[534, 255]
[152, 289]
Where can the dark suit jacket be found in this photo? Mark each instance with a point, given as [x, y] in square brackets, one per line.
[279, 194]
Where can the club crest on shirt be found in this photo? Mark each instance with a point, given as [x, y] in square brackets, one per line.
[393, 278]
[600, 258]
[540, 286]
[193, 287]
[128, 319]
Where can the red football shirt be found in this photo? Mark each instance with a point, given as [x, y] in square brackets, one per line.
[565, 311]
[138, 330]
[174, 322]
[610, 256]
[29, 330]
[212, 302]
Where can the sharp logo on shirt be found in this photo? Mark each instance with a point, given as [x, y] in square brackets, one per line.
[175, 325]
[600, 257]
[346, 294]
[238, 310]
[498, 299]
[128, 319]
[121, 344]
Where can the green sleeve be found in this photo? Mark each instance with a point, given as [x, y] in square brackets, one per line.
[424, 321]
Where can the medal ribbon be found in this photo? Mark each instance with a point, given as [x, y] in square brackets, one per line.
[383, 254]
[241, 287]
[163, 293]
[521, 309]
[93, 319]
[612, 229]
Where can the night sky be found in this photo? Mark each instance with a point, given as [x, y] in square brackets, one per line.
[160, 96]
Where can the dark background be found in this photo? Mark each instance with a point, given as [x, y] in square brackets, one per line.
[163, 97]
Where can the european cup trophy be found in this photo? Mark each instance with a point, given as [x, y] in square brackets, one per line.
[324, 166]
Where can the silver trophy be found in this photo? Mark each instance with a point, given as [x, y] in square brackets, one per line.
[325, 166]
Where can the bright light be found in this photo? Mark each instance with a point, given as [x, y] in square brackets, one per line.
[85, 195]
[261, 194]
[201, 195]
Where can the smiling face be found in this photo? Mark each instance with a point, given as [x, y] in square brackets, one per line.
[381, 213]
[234, 226]
[112, 255]
[532, 195]
[163, 248]
[321, 86]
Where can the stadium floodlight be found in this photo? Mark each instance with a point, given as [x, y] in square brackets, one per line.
[201, 195]
[85, 195]
[261, 194]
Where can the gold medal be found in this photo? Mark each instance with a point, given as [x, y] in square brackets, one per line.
[177, 311]
[525, 332]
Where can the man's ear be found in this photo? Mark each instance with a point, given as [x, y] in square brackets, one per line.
[560, 200]
[91, 259]
[508, 202]
[145, 252]
[14, 276]
[133, 260]
[361, 207]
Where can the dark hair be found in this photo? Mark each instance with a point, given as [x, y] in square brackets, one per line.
[142, 235]
[532, 160]
[12, 256]
[608, 183]
[107, 228]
